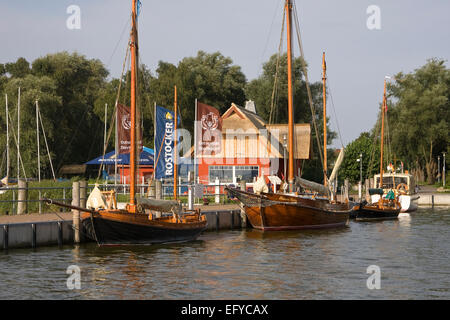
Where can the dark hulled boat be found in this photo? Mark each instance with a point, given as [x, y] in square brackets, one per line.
[273, 211]
[141, 222]
[278, 211]
[384, 208]
[121, 227]
[371, 212]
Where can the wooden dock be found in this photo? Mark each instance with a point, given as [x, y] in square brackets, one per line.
[35, 230]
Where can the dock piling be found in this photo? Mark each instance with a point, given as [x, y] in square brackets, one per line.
[33, 235]
[5, 236]
[83, 192]
[151, 190]
[217, 221]
[76, 213]
[158, 189]
[60, 234]
[243, 215]
[22, 205]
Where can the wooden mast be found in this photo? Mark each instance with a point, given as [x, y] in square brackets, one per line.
[7, 140]
[383, 109]
[37, 142]
[324, 69]
[133, 46]
[18, 136]
[288, 9]
[175, 158]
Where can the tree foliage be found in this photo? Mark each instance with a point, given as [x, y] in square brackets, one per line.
[72, 92]
[416, 124]
[66, 86]
[364, 145]
[210, 78]
[419, 116]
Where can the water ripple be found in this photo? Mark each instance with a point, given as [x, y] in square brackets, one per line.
[412, 253]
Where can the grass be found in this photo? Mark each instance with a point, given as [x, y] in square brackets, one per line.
[7, 206]
[56, 192]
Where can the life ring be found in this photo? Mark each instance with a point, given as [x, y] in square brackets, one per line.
[402, 188]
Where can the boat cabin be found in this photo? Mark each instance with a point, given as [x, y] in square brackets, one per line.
[402, 183]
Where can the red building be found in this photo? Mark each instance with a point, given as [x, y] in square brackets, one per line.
[251, 147]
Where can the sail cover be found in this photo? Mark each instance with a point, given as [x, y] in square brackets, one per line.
[160, 205]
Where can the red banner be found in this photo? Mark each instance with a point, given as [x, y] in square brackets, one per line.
[209, 129]
[124, 129]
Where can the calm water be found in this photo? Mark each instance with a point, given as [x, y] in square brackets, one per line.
[412, 253]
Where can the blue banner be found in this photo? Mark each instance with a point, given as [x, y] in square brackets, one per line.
[164, 143]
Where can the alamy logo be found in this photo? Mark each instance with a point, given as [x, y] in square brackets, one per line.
[74, 280]
[374, 20]
[374, 281]
[73, 22]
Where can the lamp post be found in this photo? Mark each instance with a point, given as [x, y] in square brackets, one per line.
[439, 169]
[360, 176]
[443, 172]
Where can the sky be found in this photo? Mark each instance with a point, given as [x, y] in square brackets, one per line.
[247, 31]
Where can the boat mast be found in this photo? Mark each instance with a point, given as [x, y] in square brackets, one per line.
[175, 173]
[7, 140]
[324, 68]
[18, 136]
[37, 140]
[288, 9]
[133, 47]
[383, 109]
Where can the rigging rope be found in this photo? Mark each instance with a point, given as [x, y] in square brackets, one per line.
[113, 116]
[277, 68]
[372, 158]
[19, 155]
[270, 30]
[125, 27]
[334, 110]
[46, 145]
[305, 72]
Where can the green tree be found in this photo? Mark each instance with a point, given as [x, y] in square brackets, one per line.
[350, 168]
[209, 77]
[419, 116]
[18, 69]
[33, 88]
[79, 81]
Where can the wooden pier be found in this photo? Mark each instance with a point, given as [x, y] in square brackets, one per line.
[37, 230]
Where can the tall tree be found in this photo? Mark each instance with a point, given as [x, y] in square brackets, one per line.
[419, 116]
[33, 88]
[18, 69]
[209, 77]
[78, 82]
[366, 144]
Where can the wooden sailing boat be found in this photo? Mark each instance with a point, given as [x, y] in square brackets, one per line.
[274, 211]
[383, 208]
[137, 223]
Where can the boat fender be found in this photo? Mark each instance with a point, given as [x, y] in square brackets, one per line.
[402, 188]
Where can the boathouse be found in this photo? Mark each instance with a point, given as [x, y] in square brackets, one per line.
[251, 147]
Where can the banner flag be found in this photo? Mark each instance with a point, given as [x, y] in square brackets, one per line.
[209, 130]
[124, 130]
[164, 143]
